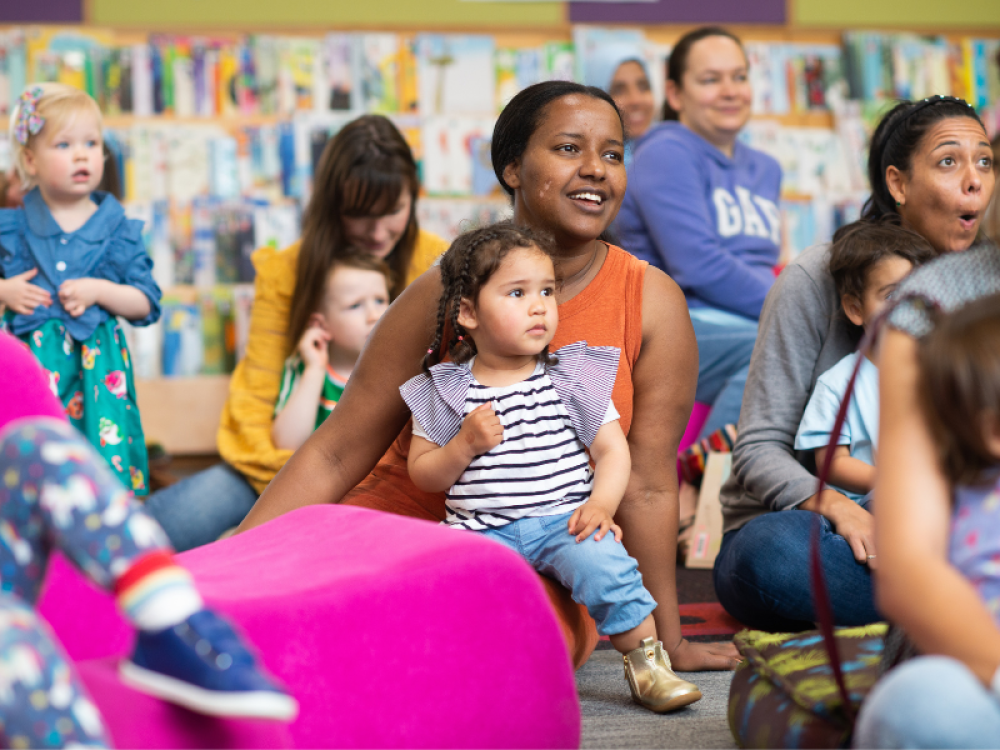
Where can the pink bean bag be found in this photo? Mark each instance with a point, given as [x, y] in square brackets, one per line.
[391, 632]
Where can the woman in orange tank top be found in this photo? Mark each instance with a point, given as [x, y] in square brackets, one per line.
[557, 150]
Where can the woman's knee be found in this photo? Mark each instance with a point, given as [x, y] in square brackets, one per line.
[931, 701]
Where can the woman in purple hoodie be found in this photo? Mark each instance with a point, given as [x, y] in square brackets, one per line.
[704, 208]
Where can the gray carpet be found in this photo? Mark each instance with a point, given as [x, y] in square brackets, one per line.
[612, 720]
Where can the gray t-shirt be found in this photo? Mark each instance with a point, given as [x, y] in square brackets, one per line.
[803, 333]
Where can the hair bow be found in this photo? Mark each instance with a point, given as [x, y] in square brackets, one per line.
[29, 122]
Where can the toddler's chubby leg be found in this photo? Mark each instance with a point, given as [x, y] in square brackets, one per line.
[42, 701]
[606, 579]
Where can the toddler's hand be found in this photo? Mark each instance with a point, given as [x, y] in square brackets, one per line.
[482, 430]
[590, 517]
[77, 295]
[22, 296]
[313, 348]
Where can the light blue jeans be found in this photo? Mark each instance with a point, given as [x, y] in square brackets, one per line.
[599, 575]
[725, 343]
[197, 509]
[931, 701]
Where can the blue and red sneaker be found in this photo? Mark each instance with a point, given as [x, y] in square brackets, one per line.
[203, 665]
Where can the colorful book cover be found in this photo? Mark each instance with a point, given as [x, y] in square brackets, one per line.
[15, 68]
[448, 157]
[338, 56]
[264, 50]
[203, 211]
[505, 70]
[229, 71]
[182, 65]
[305, 60]
[188, 161]
[181, 241]
[558, 61]
[246, 81]
[591, 45]
[183, 347]
[213, 309]
[456, 73]
[377, 68]
[142, 80]
[409, 77]
[224, 181]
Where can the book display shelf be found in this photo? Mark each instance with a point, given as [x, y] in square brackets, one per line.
[217, 135]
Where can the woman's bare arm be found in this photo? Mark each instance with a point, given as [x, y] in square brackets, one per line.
[916, 586]
[664, 380]
[369, 415]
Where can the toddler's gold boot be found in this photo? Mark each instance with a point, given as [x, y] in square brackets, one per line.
[652, 681]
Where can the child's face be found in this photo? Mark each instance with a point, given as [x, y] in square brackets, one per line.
[69, 162]
[516, 313]
[883, 278]
[355, 299]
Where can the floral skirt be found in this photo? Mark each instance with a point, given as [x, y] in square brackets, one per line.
[93, 379]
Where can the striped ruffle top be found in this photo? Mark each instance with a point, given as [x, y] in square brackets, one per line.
[542, 467]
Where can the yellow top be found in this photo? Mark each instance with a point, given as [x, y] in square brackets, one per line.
[244, 436]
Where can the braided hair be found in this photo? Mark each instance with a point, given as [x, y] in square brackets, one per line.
[467, 265]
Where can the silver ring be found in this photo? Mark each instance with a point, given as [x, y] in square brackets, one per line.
[871, 557]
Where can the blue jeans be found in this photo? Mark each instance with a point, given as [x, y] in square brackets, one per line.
[197, 509]
[762, 574]
[725, 343]
[931, 701]
[600, 575]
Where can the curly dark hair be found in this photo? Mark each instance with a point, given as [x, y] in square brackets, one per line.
[467, 265]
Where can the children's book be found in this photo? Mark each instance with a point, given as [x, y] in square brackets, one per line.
[456, 74]
[377, 69]
[591, 45]
[558, 61]
[224, 181]
[448, 156]
[338, 56]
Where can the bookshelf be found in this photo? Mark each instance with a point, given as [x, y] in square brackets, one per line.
[239, 123]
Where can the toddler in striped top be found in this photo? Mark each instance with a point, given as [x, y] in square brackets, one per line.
[509, 431]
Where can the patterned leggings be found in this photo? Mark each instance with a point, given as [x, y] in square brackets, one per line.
[56, 492]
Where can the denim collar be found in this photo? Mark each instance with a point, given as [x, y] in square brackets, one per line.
[97, 227]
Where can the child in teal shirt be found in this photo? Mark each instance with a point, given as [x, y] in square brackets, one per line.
[357, 294]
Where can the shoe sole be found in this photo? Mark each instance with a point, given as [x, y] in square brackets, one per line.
[251, 704]
[680, 701]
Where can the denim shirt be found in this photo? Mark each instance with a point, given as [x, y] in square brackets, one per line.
[108, 246]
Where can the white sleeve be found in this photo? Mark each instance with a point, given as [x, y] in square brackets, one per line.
[609, 416]
[419, 430]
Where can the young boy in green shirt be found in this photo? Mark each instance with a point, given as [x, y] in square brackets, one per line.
[357, 294]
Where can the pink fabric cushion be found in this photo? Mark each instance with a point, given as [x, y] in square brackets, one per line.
[24, 384]
[391, 632]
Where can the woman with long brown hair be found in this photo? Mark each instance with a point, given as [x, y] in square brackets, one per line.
[364, 200]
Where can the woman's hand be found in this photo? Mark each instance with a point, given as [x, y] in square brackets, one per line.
[481, 431]
[850, 520]
[591, 517]
[698, 657]
[314, 348]
[21, 296]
